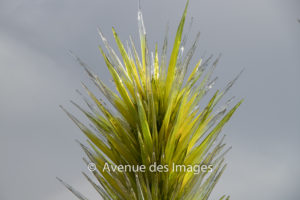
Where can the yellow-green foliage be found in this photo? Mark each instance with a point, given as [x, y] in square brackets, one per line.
[156, 118]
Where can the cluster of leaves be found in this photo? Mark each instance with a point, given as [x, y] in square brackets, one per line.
[158, 120]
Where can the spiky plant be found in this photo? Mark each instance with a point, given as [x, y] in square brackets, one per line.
[157, 118]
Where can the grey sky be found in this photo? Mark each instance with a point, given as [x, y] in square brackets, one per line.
[37, 74]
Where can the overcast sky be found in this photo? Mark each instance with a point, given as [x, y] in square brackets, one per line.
[37, 140]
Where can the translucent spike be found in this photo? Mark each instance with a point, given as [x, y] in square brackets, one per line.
[142, 29]
[217, 116]
[86, 150]
[190, 55]
[139, 188]
[78, 123]
[147, 59]
[213, 67]
[105, 91]
[144, 48]
[228, 86]
[222, 155]
[114, 59]
[84, 65]
[129, 50]
[91, 106]
[99, 134]
[94, 128]
[181, 50]
[152, 64]
[81, 109]
[98, 83]
[205, 63]
[228, 102]
[202, 87]
[138, 62]
[164, 48]
[98, 188]
[184, 40]
[76, 193]
[179, 57]
[211, 84]
[164, 54]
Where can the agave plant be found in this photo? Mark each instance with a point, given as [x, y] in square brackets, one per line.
[154, 117]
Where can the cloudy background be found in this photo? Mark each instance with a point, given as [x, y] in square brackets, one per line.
[37, 140]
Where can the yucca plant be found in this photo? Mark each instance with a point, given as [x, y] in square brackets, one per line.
[155, 118]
